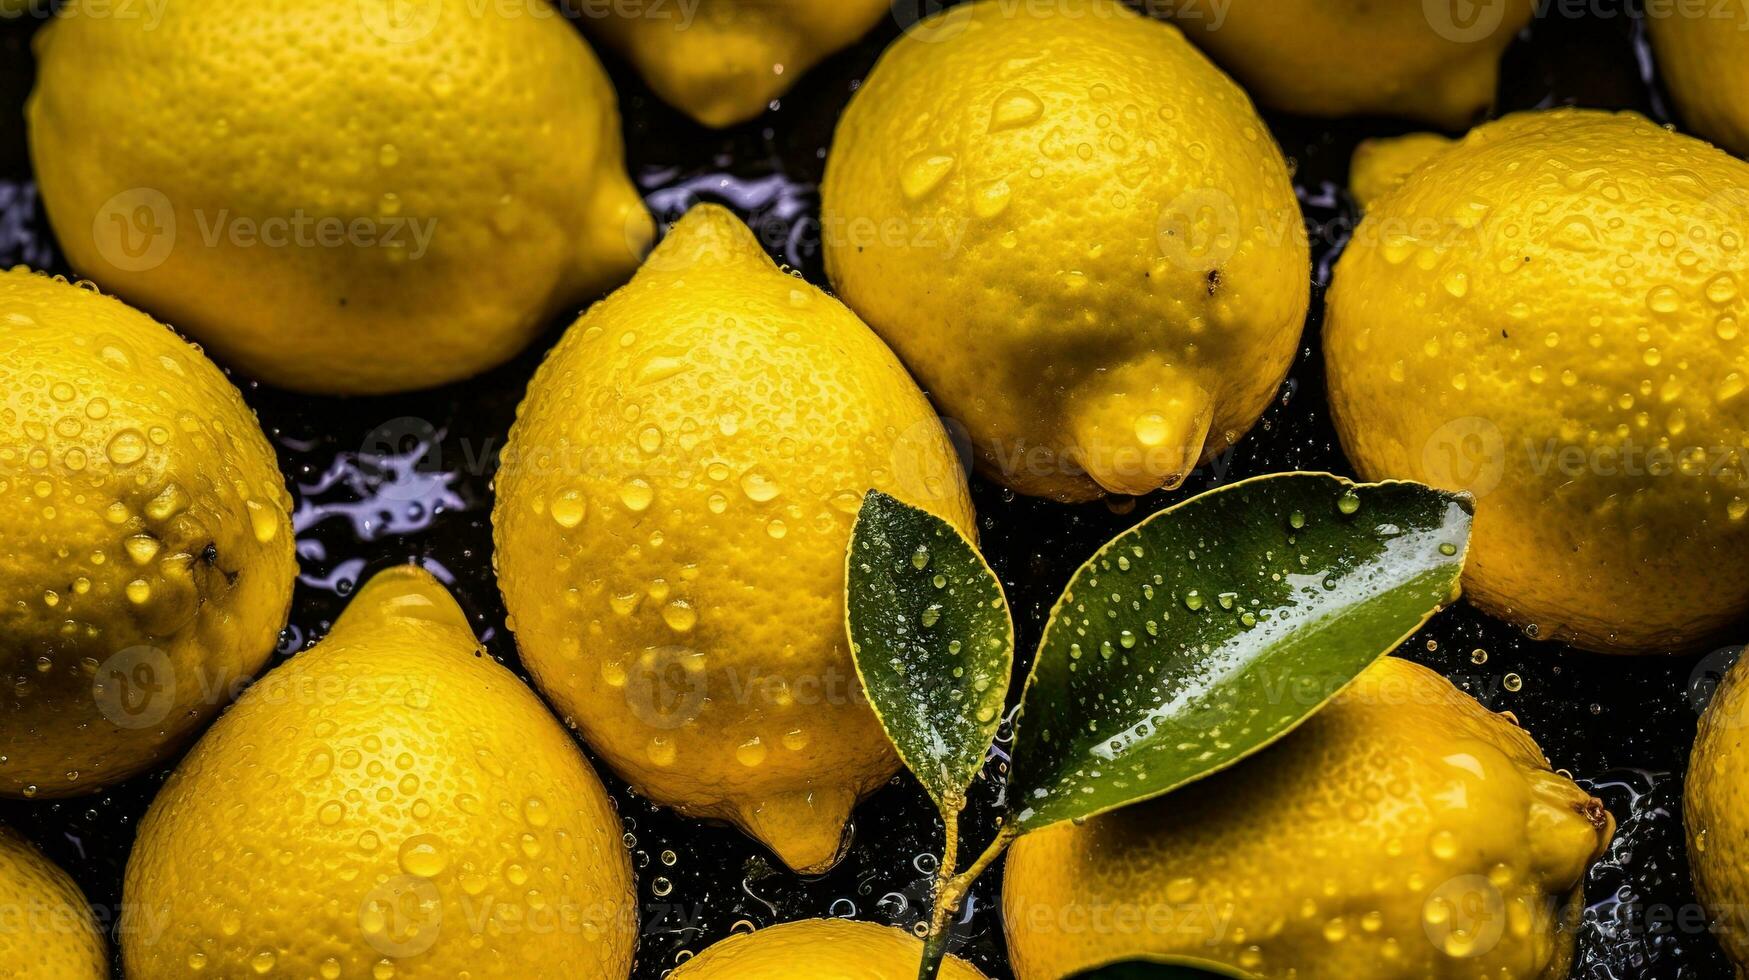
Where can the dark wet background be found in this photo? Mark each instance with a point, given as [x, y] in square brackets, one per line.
[382, 480]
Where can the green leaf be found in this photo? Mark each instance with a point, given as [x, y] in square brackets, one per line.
[1152, 970]
[1216, 626]
[932, 640]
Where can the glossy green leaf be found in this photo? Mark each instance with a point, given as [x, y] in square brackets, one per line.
[1151, 970]
[1216, 626]
[932, 639]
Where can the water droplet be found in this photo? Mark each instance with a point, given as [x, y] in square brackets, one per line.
[126, 446]
[1014, 108]
[923, 173]
[569, 508]
[636, 494]
[758, 487]
[423, 855]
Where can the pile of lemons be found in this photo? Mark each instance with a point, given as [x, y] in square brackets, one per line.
[1063, 222]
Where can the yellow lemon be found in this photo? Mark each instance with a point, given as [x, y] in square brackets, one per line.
[415, 809]
[723, 61]
[671, 522]
[1715, 811]
[1703, 56]
[1404, 832]
[1433, 60]
[148, 556]
[820, 949]
[347, 196]
[1546, 314]
[1078, 235]
[49, 934]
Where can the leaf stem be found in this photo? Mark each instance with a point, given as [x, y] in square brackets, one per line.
[950, 891]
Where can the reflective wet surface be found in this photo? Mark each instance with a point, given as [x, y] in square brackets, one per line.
[382, 481]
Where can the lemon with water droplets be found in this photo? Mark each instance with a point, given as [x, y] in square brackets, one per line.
[723, 61]
[149, 563]
[339, 196]
[1703, 58]
[411, 807]
[671, 522]
[821, 949]
[1715, 811]
[1433, 60]
[1403, 832]
[50, 933]
[1077, 233]
[1546, 313]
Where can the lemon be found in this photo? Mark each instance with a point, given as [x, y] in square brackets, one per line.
[1403, 832]
[1437, 61]
[1714, 812]
[1703, 57]
[342, 196]
[414, 808]
[50, 934]
[1079, 236]
[1546, 314]
[723, 61]
[671, 522]
[149, 563]
[821, 949]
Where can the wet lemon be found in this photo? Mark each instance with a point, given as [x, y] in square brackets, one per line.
[723, 61]
[412, 805]
[671, 522]
[1703, 57]
[49, 933]
[824, 949]
[1546, 314]
[149, 562]
[1077, 233]
[1714, 811]
[346, 196]
[1403, 832]
[1437, 61]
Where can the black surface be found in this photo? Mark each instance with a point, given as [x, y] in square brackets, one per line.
[1622, 726]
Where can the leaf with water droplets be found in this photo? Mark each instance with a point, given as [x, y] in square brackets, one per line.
[1216, 626]
[932, 639]
[1158, 970]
